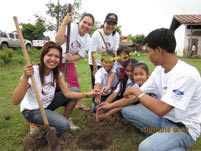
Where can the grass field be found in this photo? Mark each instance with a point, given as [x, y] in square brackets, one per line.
[13, 126]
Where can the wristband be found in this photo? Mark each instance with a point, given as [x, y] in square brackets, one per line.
[141, 95]
[83, 95]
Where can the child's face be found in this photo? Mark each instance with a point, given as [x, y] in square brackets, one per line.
[124, 58]
[139, 75]
[129, 72]
[107, 65]
[52, 58]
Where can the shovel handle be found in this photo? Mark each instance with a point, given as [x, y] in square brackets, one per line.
[67, 41]
[32, 77]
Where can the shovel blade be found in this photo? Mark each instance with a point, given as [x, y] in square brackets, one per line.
[52, 139]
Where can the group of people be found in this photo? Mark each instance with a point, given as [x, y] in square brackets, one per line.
[167, 99]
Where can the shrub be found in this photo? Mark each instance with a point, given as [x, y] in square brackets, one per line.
[5, 56]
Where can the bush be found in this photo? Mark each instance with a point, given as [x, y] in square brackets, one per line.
[6, 57]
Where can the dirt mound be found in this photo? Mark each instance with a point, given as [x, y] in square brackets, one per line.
[92, 136]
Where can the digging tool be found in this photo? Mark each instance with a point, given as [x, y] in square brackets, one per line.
[51, 134]
[68, 41]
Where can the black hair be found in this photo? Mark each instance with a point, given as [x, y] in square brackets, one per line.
[163, 38]
[89, 15]
[124, 80]
[44, 50]
[141, 65]
[123, 49]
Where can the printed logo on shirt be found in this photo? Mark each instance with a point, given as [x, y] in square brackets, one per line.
[177, 94]
[75, 45]
[48, 88]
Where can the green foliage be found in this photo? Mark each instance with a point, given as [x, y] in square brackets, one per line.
[138, 39]
[5, 56]
[33, 32]
[58, 11]
[16, 57]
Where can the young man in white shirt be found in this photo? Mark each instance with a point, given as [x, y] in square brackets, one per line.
[173, 121]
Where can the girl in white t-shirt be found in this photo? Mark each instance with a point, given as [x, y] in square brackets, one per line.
[47, 74]
[78, 47]
[111, 38]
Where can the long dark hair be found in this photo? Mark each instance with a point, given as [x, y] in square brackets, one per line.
[131, 62]
[44, 50]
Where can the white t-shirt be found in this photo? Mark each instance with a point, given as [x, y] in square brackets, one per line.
[181, 88]
[46, 92]
[129, 83]
[102, 77]
[78, 44]
[98, 46]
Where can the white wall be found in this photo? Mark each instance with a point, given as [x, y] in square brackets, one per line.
[179, 35]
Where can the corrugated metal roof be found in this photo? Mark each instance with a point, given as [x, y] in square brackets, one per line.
[188, 19]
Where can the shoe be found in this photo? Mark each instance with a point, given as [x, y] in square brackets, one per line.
[73, 126]
[34, 128]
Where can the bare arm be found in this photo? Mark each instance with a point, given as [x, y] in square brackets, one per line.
[157, 106]
[23, 85]
[60, 35]
[74, 95]
[95, 68]
[109, 83]
[98, 98]
[73, 58]
[111, 97]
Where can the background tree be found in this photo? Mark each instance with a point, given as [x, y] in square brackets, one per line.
[32, 32]
[138, 39]
[58, 11]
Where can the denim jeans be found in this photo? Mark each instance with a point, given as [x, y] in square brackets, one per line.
[58, 121]
[169, 136]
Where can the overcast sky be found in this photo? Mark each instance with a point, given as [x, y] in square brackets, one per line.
[135, 17]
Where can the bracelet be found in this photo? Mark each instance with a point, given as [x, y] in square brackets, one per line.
[83, 95]
[141, 95]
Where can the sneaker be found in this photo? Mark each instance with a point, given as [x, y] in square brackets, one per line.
[34, 128]
[73, 126]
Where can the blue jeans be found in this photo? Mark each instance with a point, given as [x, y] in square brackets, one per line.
[169, 136]
[58, 121]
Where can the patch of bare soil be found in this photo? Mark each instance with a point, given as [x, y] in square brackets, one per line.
[92, 136]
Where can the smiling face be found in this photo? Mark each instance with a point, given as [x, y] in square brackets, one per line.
[107, 64]
[140, 75]
[129, 72]
[51, 59]
[123, 58]
[85, 25]
[109, 27]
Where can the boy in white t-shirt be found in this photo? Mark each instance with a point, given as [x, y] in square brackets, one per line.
[102, 76]
[173, 120]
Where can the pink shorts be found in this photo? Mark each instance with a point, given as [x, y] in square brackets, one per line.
[72, 78]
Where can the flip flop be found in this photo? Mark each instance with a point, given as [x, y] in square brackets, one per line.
[85, 108]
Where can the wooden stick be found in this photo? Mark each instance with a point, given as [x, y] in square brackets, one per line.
[68, 41]
[32, 77]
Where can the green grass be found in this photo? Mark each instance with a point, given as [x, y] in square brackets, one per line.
[13, 126]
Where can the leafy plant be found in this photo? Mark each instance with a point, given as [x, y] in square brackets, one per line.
[6, 56]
